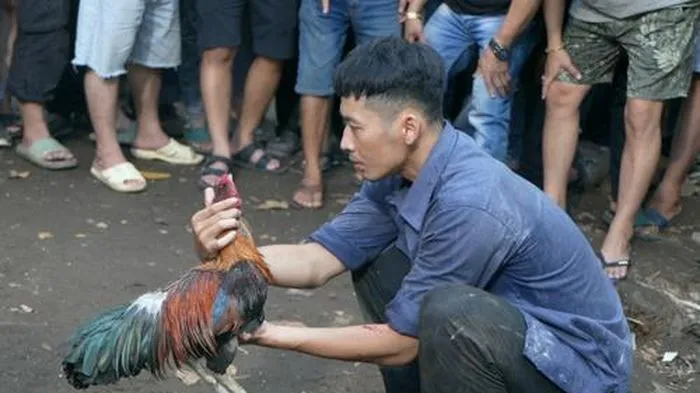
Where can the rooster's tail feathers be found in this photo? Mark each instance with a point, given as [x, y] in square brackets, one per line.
[119, 343]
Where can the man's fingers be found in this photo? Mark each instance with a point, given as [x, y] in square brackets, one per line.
[403, 4]
[208, 196]
[214, 209]
[546, 82]
[225, 240]
[571, 69]
[503, 83]
[325, 6]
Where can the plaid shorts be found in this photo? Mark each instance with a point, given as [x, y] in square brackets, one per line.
[660, 46]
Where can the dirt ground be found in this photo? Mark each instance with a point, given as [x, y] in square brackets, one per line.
[71, 248]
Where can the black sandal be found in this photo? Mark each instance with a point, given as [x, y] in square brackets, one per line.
[242, 159]
[208, 170]
[622, 262]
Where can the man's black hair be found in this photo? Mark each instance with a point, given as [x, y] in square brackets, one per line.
[395, 72]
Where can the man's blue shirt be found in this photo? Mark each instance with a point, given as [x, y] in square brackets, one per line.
[468, 219]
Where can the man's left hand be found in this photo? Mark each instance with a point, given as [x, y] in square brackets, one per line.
[495, 73]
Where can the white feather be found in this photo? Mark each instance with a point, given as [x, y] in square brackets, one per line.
[150, 302]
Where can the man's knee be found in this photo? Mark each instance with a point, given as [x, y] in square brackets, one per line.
[218, 56]
[643, 117]
[444, 307]
[564, 97]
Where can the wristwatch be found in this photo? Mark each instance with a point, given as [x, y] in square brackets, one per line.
[499, 50]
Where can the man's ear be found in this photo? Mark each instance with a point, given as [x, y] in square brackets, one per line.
[410, 127]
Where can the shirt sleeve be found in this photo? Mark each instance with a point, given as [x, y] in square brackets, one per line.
[458, 245]
[360, 232]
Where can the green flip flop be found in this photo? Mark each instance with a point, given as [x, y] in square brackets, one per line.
[38, 151]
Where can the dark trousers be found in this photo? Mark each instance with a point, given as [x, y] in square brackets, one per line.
[42, 49]
[470, 340]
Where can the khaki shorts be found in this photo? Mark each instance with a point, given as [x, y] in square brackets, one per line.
[660, 46]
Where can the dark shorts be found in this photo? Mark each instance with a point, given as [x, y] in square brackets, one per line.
[42, 49]
[273, 25]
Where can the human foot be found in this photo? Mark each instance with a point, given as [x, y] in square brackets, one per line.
[252, 156]
[45, 152]
[615, 254]
[214, 166]
[308, 196]
[117, 173]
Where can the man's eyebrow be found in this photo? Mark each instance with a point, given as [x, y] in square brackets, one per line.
[348, 118]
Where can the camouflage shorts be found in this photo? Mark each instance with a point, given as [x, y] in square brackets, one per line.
[660, 46]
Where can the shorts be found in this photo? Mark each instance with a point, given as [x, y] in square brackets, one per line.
[659, 44]
[41, 50]
[113, 33]
[273, 24]
[322, 37]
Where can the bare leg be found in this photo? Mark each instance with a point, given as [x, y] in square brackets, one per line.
[639, 159]
[145, 87]
[260, 86]
[216, 80]
[102, 96]
[561, 125]
[35, 128]
[684, 148]
[315, 120]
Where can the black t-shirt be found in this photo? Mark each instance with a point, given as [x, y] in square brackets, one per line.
[479, 7]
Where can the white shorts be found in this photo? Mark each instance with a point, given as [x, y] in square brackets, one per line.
[113, 33]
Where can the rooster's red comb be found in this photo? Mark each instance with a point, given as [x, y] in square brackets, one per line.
[225, 188]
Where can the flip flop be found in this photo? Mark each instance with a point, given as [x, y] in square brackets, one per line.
[37, 152]
[116, 177]
[172, 153]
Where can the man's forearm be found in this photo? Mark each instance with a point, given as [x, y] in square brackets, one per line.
[377, 344]
[300, 265]
[554, 20]
[518, 17]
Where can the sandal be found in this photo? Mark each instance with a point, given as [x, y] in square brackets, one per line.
[172, 153]
[208, 170]
[243, 159]
[622, 262]
[117, 176]
[10, 129]
[38, 151]
[309, 191]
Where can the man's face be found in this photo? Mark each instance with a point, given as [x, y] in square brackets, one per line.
[377, 146]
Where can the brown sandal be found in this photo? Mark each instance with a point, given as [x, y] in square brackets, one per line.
[309, 192]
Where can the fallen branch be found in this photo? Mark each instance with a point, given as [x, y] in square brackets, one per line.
[681, 302]
[222, 383]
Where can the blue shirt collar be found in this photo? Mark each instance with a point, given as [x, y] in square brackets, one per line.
[417, 198]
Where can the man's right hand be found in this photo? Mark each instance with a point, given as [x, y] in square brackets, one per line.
[211, 222]
[557, 61]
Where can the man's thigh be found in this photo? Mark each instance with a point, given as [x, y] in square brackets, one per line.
[157, 43]
[375, 19]
[274, 24]
[321, 40]
[592, 50]
[445, 32]
[661, 50]
[220, 23]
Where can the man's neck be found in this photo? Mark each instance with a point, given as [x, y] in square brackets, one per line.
[417, 159]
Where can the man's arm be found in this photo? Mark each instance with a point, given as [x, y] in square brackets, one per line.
[301, 265]
[378, 344]
[460, 244]
[554, 21]
[520, 13]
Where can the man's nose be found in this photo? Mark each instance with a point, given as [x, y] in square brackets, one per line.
[346, 141]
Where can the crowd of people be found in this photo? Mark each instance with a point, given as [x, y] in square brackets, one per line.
[544, 75]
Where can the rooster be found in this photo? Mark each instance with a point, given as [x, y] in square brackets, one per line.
[199, 315]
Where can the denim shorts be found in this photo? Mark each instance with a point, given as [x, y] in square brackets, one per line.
[113, 33]
[322, 37]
